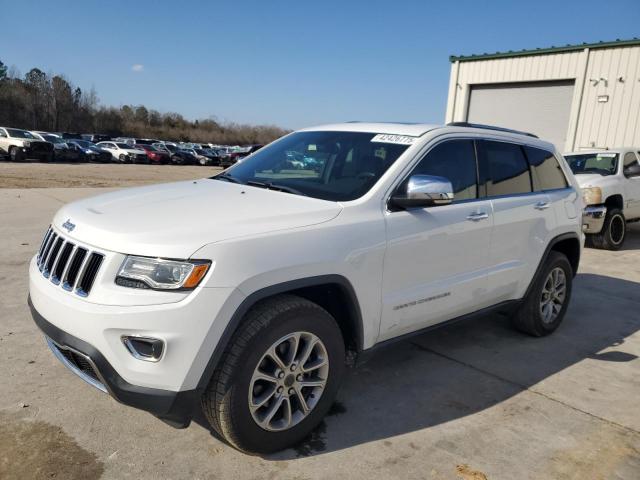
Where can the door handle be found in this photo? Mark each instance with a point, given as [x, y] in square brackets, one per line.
[542, 205]
[477, 216]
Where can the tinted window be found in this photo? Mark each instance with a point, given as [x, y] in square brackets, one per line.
[456, 161]
[545, 170]
[504, 168]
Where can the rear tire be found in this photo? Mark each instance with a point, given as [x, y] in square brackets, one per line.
[548, 298]
[613, 233]
[271, 326]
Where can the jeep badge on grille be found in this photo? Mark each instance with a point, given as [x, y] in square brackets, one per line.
[68, 226]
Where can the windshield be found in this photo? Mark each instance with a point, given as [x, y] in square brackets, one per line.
[83, 143]
[335, 166]
[15, 133]
[53, 139]
[601, 163]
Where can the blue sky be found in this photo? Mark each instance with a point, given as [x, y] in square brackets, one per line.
[290, 63]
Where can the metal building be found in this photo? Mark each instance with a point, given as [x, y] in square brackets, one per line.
[577, 96]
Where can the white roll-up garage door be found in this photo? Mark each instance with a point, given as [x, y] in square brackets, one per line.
[541, 108]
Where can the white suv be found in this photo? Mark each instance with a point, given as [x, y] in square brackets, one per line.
[610, 183]
[123, 152]
[250, 291]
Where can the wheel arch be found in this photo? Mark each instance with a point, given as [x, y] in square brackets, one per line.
[615, 201]
[334, 293]
[567, 244]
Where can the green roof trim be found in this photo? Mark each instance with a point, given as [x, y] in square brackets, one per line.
[543, 51]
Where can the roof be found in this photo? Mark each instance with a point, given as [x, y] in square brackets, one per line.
[393, 128]
[542, 51]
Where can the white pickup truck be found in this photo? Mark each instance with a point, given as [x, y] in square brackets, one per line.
[610, 184]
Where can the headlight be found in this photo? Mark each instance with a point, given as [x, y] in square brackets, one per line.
[26, 144]
[161, 274]
[592, 195]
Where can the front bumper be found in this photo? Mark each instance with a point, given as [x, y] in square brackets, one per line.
[593, 218]
[175, 408]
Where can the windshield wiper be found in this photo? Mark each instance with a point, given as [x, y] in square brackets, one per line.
[227, 177]
[272, 186]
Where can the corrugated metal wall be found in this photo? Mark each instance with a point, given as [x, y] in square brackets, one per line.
[593, 121]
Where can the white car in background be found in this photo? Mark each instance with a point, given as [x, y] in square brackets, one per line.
[124, 153]
[610, 183]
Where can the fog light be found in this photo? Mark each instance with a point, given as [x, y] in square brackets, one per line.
[144, 348]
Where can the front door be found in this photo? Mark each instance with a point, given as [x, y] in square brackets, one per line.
[435, 266]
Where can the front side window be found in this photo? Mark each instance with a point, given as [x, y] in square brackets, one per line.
[604, 163]
[16, 133]
[335, 166]
[630, 159]
[504, 168]
[454, 160]
[545, 170]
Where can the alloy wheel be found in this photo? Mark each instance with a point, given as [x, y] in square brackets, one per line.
[554, 293]
[288, 381]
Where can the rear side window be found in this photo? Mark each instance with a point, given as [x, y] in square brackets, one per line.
[545, 170]
[456, 161]
[504, 169]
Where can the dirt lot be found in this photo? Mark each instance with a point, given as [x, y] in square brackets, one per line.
[48, 175]
[471, 401]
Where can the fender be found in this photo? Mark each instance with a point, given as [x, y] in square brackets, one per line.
[554, 241]
[251, 300]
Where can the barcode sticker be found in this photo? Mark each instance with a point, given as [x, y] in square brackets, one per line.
[396, 139]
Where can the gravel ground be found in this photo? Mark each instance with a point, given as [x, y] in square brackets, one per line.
[47, 175]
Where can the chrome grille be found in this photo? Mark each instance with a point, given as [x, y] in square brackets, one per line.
[64, 262]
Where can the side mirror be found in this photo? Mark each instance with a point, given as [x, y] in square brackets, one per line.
[632, 170]
[424, 191]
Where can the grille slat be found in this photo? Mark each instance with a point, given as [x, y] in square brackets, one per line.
[45, 254]
[89, 274]
[74, 268]
[66, 263]
[44, 243]
[61, 263]
[52, 256]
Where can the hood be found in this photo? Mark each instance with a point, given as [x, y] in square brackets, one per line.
[592, 179]
[176, 219]
[589, 179]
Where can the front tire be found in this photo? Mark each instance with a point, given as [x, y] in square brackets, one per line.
[15, 154]
[613, 233]
[548, 298]
[278, 377]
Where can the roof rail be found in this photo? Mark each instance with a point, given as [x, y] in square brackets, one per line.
[489, 127]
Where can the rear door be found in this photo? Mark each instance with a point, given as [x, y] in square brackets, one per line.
[523, 222]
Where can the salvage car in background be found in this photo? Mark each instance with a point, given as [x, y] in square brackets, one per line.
[610, 183]
[89, 152]
[124, 153]
[18, 145]
[61, 150]
[155, 154]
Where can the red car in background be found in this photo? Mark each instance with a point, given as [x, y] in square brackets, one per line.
[154, 154]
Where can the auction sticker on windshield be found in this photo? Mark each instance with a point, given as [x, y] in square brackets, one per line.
[397, 139]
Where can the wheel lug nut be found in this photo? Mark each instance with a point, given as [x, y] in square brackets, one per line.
[280, 374]
[293, 367]
[280, 389]
[291, 391]
[299, 377]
